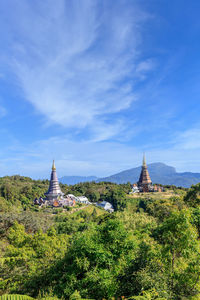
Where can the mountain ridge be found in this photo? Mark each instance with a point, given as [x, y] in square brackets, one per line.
[76, 179]
[159, 172]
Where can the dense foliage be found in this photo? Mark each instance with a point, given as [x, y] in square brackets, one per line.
[19, 192]
[147, 249]
[107, 191]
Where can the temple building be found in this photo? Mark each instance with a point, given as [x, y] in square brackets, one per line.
[54, 196]
[54, 193]
[145, 183]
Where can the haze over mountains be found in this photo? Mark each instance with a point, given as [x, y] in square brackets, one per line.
[77, 179]
[159, 173]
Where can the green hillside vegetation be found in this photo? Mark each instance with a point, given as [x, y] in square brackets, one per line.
[147, 249]
[19, 192]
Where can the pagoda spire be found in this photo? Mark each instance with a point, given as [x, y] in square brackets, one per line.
[53, 166]
[144, 160]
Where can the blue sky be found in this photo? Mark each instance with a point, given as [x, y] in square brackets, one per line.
[94, 84]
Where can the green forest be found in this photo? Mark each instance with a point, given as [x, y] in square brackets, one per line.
[148, 248]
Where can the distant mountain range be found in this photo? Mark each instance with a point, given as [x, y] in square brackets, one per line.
[77, 179]
[159, 173]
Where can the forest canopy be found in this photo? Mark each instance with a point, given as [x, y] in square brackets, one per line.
[147, 249]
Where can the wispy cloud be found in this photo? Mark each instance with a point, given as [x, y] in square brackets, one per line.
[3, 111]
[144, 67]
[72, 158]
[112, 85]
[189, 139]
[76, 61]
[92, 158]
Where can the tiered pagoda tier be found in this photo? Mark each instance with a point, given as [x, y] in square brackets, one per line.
[54, 191]
[144, 182]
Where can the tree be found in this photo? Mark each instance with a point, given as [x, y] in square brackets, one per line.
[93, 195]
[117, 197]
[92, 262]
[195, 218]
[75, 296]
[29, 255]
[180, 253]
[192, 198]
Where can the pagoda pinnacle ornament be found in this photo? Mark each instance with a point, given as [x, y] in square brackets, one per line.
[53, 166]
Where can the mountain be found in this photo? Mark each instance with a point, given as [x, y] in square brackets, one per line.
[159, 173]
[76, 179]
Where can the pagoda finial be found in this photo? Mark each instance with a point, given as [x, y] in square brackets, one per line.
[144, 160]
[53, 166]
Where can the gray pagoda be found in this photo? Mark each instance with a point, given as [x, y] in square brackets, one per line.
[54, 192]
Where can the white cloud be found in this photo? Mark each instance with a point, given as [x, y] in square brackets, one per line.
[72, 158]
[189, 139]
[76, 60]
[91, 157]
[144, 67]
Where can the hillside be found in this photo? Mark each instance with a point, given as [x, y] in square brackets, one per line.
[91, 254]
